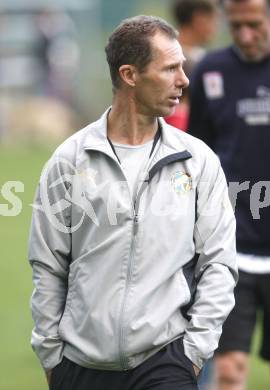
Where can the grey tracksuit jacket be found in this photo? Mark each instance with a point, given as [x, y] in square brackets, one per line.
[116, 280]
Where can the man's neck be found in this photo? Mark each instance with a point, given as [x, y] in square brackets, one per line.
[127, 126]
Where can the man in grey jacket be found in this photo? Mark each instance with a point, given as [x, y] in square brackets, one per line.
[132, 241]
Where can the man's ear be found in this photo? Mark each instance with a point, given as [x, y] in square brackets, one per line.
[128, 74]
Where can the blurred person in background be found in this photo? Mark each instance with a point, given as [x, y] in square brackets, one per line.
[39, 62]
[230, 111]
[58, 53]
[197, 23]
[133, 236]
[39, 53]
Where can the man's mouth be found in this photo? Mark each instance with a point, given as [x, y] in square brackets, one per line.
[174, 99]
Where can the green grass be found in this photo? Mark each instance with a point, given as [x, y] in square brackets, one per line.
[20, 369]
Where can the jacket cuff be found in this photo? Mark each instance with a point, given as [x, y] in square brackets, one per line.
[49, 349]
[193, 354]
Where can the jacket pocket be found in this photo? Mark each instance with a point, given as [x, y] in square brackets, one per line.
[186, 361]
[189, 274]
[69, 299]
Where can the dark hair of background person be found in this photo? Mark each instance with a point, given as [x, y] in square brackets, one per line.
[130, 44]
[183, 10]
[267, 2]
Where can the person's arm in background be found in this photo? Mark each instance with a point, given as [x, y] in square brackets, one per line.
[200, 123]
[216, 270]
[49, 256]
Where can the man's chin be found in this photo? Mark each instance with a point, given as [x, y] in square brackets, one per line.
[253, 57]
[163, 111]
[168, 111]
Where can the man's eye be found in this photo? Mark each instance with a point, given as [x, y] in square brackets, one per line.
[254, 25]
[235, 26]
[238, 26]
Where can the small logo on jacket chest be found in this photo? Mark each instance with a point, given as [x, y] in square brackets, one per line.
[181, 182]
[213, 85]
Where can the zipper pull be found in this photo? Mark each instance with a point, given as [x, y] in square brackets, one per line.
[136, 224]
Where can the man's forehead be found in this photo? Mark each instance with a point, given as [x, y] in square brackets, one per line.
[166, 46]
[249, 7]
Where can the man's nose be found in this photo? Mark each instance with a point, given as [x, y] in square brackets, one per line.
[182, 81]
[245, 35]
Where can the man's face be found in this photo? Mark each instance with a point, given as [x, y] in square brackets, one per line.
[204, 25]
[249, 23]
[159, 86]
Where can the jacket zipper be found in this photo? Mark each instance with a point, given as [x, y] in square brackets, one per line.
[121, 335]
[121, 319]
[123, 358]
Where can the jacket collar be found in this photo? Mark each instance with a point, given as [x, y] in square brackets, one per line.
[96, 138]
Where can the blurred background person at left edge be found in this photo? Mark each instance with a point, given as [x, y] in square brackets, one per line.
[197, 23]
[39, 63]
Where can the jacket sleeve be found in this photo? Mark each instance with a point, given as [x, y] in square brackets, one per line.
[200, 122]
[216, 271]
[49, 255]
